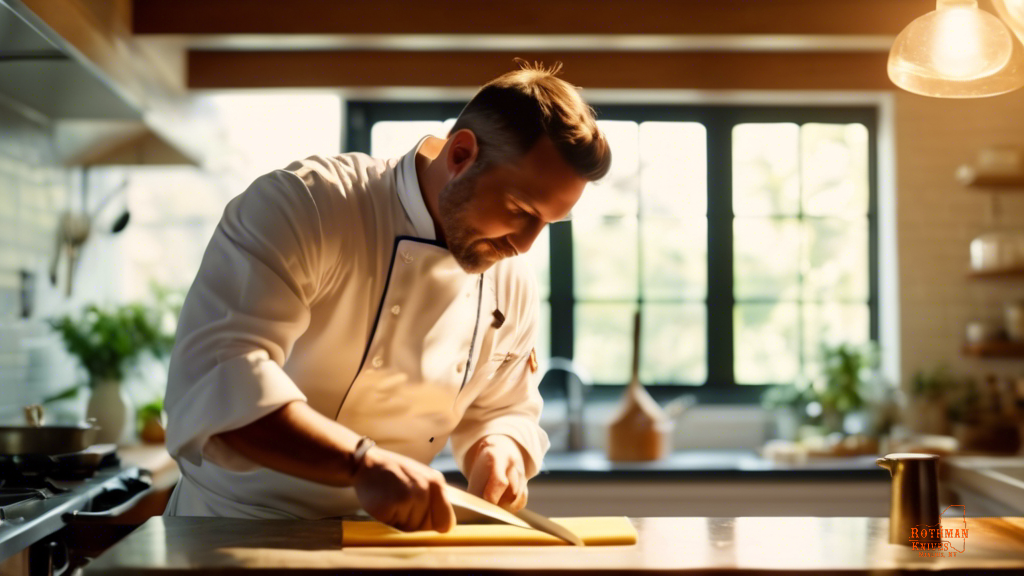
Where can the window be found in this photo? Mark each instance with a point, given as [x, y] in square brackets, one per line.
[746, 237]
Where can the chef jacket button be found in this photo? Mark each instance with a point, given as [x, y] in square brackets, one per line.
[377, 362]
[396, 309]
[460, 367]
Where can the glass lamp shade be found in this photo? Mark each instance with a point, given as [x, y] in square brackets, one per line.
[1012, 12]
[957, 51]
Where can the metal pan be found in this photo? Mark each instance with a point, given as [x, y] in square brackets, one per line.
[47, 440]
[37, 438]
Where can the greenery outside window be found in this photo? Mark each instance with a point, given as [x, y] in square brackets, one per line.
[745, 235]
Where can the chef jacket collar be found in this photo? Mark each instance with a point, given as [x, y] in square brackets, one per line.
[412, 197]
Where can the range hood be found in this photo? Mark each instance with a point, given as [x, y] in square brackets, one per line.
[94, 123]
[115, 142]
[42, 73]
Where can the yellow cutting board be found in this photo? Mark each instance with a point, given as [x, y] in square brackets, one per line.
[594, 531]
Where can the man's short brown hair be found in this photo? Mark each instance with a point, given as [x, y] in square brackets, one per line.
[510, 113]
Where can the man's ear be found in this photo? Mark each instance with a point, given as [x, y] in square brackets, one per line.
[462, 152]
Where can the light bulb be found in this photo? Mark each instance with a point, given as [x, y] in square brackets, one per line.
[966, 47]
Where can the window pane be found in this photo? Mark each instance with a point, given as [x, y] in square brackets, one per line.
[832, 324]
[766, 256]
[604, 341]
[765, 179]
[604, 258]
[163, 253]
[673, 169]
[674, 259]
[834, 169]
[389, 139]
[767, 348]
[616, 193]
[835, 261]
[673, 344]
[544, 337]
[539, 256]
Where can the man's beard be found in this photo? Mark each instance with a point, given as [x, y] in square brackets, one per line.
[454, 215]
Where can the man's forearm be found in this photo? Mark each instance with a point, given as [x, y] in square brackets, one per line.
[299, 441]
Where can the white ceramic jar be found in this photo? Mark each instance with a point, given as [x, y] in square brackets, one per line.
[1015, 321]
[1001, 250]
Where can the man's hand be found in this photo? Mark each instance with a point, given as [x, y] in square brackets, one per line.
[497, 473]
[402, 492]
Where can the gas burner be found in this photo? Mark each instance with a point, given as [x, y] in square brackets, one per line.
[11, 497]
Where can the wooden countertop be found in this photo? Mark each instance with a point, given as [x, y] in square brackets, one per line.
[152, 457]
[176, 545]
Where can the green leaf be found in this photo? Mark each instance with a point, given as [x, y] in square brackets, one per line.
[63, 395]
[108, 341]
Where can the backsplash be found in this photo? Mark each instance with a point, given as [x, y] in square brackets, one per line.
[33, 193]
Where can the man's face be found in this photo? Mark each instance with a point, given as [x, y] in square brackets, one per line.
[497, 213]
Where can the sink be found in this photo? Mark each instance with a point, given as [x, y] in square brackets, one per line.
[998, 479]
[1016, 474]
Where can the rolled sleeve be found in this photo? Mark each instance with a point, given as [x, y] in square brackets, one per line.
[510, 405]
[248, 305]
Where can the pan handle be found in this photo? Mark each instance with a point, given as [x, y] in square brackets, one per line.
[33, 415]
[144, 486]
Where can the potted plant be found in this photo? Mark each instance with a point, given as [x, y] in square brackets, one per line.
[788, 403]
[108, 341]
[929, 390]
[150, 422]
[843, 387]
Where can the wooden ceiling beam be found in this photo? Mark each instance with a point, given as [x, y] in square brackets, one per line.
[681, 70]
[799, 17]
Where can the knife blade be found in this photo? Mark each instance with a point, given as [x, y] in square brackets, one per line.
[470, 509]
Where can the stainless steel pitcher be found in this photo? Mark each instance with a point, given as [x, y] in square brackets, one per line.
[914, 508]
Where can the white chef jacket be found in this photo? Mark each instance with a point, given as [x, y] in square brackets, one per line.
[324, 282]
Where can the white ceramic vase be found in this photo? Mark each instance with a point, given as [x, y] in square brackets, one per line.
[113, 411]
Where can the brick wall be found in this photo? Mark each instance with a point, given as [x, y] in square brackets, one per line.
[938, 218]
[33, 192]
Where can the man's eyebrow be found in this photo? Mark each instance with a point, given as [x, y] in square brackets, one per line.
[532, 209]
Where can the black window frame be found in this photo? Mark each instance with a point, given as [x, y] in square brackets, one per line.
[718, 120]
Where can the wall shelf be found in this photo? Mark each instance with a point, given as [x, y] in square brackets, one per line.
[995, 349]
[1004, 274]
[990, 181]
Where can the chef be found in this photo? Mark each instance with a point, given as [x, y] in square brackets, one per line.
[352, 314]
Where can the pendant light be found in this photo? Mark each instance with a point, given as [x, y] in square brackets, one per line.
[957, 51]
[1012, 12]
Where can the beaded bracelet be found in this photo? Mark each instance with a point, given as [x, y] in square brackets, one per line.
[362, 447]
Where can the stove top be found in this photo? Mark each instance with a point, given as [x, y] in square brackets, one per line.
[34, 504]
[27, 478]
[11, 498]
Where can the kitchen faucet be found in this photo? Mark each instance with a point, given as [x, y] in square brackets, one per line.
[577, 383]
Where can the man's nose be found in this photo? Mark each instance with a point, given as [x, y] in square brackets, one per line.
[523, 239]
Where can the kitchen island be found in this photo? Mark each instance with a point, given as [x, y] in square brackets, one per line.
[690, 545]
